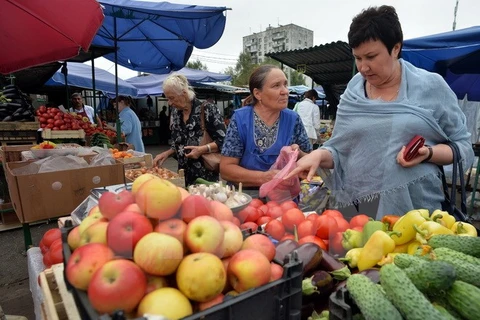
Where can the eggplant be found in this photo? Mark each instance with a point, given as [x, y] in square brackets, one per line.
[320, 284]
[337, 268]
[373, 274]
[9, 118]
[282, 249]
[311, 256]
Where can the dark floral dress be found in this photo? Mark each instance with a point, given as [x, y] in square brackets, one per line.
[190, 134]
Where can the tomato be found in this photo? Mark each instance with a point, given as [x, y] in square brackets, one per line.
[42, 109]
[306, 228]
[249, 225]
[314, 239]
[272, 204]
[43, 247]
[332, 213]
[256, 203]
[63, 127]
[50, 121]
[275, 229]
[274, 212]
[50, 236]
[42, 125]
[312, 216]
[49, 126]
[359, 220]
[46, 260]
[336, 244]
[249, 214]
[327, 226]
[262, 220]
[55, 128]
[263, 208]
[292, 217]
[42, 120]
[342, 224]
[288, 205]
[288, 236]
[56, 253]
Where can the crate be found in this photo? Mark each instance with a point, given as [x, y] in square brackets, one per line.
[18, 125]
[13, 152]
[58, 302]
[279, 300]
[49, 134]
[137, 161]
[18, 135]
[341, 305]
[178, 181]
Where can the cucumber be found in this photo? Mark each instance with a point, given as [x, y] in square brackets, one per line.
[444, 312]
[459, 255]
[370, 299]
[441, 300]
[433, 277]
[465, 298]
[411, 303]
[404, 260]
[465, 271]
[467, 245]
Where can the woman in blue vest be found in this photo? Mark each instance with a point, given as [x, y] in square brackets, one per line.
[257, 132]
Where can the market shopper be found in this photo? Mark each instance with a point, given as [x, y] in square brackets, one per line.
[130, 124]
[82, 109]
[186, 130]
[384, 106]
[310, 114]
[257, 132]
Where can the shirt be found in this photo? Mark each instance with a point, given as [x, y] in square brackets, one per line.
[88, 110]
[310, 115]
[132, 128]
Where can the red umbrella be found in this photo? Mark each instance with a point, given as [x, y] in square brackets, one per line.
[38, 32]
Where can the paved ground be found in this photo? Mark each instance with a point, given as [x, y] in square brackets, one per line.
[15, 295]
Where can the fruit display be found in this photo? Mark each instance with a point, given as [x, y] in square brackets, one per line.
[15, 105]
[220, 192]
[45, 145]
[51, 247]
[100, 139]
[132, 174]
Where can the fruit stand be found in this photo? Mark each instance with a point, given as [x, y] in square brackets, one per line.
[257, 260]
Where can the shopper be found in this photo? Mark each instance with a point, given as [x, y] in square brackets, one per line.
[258, 131]
[310, 114]
[384, 106]
[186, 130]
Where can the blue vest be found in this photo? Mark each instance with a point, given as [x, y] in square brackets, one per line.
[253, 158]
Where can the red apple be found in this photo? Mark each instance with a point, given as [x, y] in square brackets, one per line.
[248, 269]
[277, 271]
[236, 221]
[133, 208]
[194, 206]
[232, 240]
[125, 230]
[204, 234]
[118, 284]
[205, 305]
[174, 227]
[261, 243]
[221, 211]
[111, 204]
[155, 282]
[84, 261]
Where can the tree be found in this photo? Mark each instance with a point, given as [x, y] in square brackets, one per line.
[197, 65]
[296, 78]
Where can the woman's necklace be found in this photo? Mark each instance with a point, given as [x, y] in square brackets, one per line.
[388, 97]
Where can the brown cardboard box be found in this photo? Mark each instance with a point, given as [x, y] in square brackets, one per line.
[54, 194]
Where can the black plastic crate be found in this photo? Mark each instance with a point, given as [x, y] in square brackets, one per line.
[279, 300]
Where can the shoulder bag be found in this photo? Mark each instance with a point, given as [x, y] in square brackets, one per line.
[211, 161]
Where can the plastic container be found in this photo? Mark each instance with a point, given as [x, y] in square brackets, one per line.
[279, 300]
[341, 305]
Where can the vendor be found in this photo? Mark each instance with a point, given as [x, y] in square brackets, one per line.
[83, 110]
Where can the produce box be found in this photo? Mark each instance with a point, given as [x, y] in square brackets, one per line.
[177, 179]
[18, 135]
[53, 194]
[18, 125]
[50, 134]
[279, 300]
[137, 161]
[13, 153]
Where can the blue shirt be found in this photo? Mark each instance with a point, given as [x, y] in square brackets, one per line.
[132, 128]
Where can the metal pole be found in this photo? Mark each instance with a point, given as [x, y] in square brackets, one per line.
[93, 87]
[119, 125]
[65, 75]
[455, 16]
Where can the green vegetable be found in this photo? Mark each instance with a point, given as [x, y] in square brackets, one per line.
[465, 298]
[352, 239]
[444, 312]
[466, 271]
[432, 277]
[404, 260]
[441, 300]
[458, 255]
[370, 227]
[411, 303]
[370, 299]
[203, 181]
[467, 245]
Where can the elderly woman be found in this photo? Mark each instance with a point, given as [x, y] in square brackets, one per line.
[257, 132]
[384, 106]
[186, 130]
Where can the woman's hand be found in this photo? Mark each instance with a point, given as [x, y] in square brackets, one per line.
[195, 151]
[160, 158]
[269, 175]
[307, 165]
[422, 155]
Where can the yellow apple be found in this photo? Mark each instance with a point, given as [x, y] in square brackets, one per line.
[96, 233]
[167, 302]
[73, 238]
[89, 220]
[232, 240]
[137, 183]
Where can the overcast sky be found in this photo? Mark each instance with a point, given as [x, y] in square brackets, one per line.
[329, 20]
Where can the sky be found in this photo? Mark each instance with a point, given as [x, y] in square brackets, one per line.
[328, 19]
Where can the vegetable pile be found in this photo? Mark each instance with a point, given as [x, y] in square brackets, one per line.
[15, 105]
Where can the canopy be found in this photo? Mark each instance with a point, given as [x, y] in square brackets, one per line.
[301, 89]
[34, 33]
[157, 37]
[80, 75]
[152, 84]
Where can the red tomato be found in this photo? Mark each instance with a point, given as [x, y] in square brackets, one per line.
[359, 220]
[46, 260]
[288, 205]
[287, 236]
[306, 228]
[43, 247]
[249, 214]
[272, 204]
[327, 226]
[312, 216]
[292, 217]
[50, 236]
[342, 224]
[275, 212]
[319, 242]
[275, 228]
[56, 253]
[249, 225]
[256, 203]
[263, 208]
[42, 120]
[336, 244]
[332, 213]
[262, 220]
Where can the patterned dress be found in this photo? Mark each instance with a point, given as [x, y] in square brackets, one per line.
[190, 134]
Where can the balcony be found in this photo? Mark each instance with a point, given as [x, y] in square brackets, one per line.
[278, 36]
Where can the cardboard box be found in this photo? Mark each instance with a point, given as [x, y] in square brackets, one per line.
[54, 194]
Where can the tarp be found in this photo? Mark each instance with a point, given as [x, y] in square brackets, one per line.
[301, 89]
[152, 84]
[158, 37]
[80, 75]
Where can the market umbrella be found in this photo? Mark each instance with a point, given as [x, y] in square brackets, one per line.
[38, 32]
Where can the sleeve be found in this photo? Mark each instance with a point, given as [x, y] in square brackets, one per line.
[127, 124]
[233, 145]
[215, 124]
[301, 137]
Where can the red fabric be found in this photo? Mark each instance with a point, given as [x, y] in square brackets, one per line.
[39, 32]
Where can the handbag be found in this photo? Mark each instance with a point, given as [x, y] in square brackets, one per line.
[211, 161]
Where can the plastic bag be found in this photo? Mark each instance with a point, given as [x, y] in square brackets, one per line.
[277, 189]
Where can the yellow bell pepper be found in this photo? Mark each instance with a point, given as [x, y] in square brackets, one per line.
[379, 245]
[443, 217]
[351, 257]
[405, 224]
[429, 228]
[413, 246]
[464, 229]
[402, 248]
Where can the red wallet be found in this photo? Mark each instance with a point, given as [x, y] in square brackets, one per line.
[411, 150]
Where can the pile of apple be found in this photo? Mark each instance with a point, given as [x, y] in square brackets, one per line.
[51, 247]
[158, 250]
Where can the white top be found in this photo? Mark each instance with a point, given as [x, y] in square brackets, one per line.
[88, 110]
[310, 115]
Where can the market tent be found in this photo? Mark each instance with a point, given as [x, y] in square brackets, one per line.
[80, 75]
[157, 37]
[151, 84]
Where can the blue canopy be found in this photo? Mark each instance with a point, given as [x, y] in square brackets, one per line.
[152, 84]
[157, 37]
[80, 75]
[301, 89]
